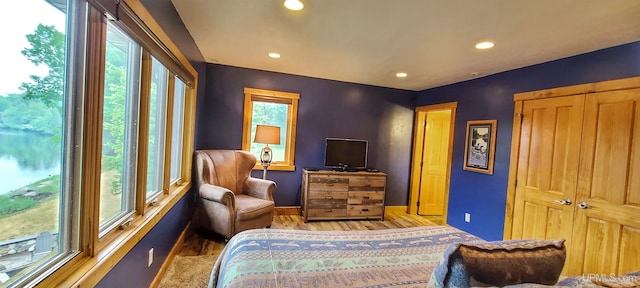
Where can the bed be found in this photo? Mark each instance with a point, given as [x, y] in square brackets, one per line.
[402, 257]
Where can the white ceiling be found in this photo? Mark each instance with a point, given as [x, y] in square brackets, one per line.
[369, 41]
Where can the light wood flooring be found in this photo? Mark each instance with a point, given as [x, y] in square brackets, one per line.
[210, 244]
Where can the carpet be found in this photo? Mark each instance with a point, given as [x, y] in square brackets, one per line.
[188, 271]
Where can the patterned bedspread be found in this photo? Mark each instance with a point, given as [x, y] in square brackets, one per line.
[293, 258]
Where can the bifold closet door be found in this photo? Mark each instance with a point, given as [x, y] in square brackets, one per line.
[547, 168]
[606, 228]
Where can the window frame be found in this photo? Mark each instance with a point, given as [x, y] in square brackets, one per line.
[94, 256]
[252, 95]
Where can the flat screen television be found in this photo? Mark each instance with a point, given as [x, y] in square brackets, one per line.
[345, 153]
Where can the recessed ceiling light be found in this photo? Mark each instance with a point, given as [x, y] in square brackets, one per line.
[485, 45]
[274, 55]
[475, 74]
[401, 74]
[293, 5]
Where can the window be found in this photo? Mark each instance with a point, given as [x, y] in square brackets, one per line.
[89, 129]
[271, 108]
[36, 141]
[119, 128]
[157, 129]
[177, 127]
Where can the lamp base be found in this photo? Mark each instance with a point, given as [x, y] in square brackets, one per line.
[265, 160]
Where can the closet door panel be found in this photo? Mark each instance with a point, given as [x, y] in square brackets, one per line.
[547, 168]
[608, 219]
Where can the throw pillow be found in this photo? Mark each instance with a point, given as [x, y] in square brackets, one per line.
[500, 263]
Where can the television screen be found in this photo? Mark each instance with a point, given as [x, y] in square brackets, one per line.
[350, 152]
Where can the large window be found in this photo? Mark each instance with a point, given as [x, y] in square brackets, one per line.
[119, 127]
[92, 124]
[36, 134]
[274, 108]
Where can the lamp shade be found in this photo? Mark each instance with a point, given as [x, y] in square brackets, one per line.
[266, 134]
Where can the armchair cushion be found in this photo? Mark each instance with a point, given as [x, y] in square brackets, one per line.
[250, 207]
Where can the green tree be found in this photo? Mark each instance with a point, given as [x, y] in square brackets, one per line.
[47, 48]
[115, 104]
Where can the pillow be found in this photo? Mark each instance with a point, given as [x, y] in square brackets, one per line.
[500, 263]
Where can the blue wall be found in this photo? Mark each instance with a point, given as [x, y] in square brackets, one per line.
[132, 270]
[491, 97]
[326, 108]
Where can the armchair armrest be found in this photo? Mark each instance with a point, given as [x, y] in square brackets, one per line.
[259, 188]
[217, 194]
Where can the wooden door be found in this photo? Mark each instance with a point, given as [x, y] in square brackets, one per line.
[434, 163]
[607, 232]
[547, 168]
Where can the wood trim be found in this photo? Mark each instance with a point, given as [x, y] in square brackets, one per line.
[513, 165]
[395, 209]
[91, 271]
[435, 107]
[291, 133]
[246, 125]
[144, 15]
[276, 167]
[92, 141]
[143, 132]
[168, 136]
[270, 93]
[611, 85]
[189, 132]
[167, 261]
[287, 210]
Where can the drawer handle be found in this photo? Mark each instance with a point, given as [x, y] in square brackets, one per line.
[365, 197]
[330, 184]
[328, 210]
[329, 197]
[365, 210]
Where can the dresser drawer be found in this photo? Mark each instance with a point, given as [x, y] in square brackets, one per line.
[327, 213]
[367, 183]
[364, 211]
[328, 195]
[328, 183]
[365, 198]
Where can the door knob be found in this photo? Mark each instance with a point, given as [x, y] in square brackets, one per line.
[566, 201]
[583, 205]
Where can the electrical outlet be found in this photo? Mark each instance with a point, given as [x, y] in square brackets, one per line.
[467, 217]
[150, 258]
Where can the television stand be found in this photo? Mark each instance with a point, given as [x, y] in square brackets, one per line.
[332, 195]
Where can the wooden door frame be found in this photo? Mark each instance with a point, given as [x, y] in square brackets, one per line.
[519, 98]
[418, 140]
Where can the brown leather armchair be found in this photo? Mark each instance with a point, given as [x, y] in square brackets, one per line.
[230, 199]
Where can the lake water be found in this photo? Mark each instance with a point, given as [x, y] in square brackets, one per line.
[26, 158]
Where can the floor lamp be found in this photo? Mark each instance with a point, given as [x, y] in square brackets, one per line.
[266, 134]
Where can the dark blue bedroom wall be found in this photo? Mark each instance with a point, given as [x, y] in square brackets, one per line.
[326, 108]
[491, 97]
[132, 270]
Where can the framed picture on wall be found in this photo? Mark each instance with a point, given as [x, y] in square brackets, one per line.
[480, 146]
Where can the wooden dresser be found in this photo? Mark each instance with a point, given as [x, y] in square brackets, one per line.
[330, 195]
